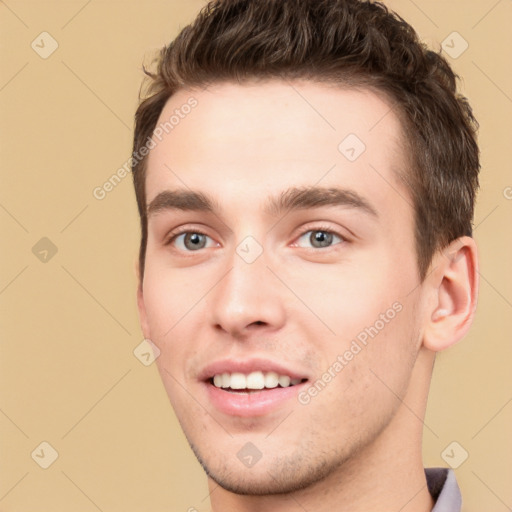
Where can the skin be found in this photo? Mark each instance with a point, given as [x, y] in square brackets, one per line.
[357, 444]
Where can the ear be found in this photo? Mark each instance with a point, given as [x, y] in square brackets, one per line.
[453, 284]
[141, 306]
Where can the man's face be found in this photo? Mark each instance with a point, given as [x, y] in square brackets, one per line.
[250, 272]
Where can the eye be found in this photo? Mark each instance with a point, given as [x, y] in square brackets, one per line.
[192, 241]
[318, 239]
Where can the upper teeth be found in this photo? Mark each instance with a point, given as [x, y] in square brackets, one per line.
[253, 380]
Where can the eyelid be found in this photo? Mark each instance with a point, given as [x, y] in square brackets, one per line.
[322, 227]
[171, 236]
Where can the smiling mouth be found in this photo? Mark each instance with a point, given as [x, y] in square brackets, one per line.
[252, 382]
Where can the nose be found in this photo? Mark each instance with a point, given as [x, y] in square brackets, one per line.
[248, 299]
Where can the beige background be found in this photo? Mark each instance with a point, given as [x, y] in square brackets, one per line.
[69, 325]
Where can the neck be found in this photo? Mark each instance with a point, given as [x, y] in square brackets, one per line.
[386, 475]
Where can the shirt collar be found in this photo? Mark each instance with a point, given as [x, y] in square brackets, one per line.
[443, 487]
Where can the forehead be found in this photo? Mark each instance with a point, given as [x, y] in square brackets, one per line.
[251, 140]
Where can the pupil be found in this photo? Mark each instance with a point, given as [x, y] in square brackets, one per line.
[194, 241]
[321, 239]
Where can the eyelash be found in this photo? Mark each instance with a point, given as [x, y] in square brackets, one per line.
[323, 229]
[180, 231]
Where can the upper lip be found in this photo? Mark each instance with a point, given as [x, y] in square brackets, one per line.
[247, 366]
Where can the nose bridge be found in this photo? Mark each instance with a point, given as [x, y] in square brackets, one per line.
[247, 295]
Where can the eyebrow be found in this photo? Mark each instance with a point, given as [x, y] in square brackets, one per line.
[298, 198]
[294, 198]
[180, 200]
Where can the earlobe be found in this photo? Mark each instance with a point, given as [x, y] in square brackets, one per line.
[454, 285]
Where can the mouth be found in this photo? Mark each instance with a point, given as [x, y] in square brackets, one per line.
[251, 388]
[256, 381]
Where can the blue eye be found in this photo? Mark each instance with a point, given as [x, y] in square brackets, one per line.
[318, 239]
[192, 241]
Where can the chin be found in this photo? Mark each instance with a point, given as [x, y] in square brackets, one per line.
[275, 477]
[259, 485]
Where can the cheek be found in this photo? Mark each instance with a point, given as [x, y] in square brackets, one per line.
[174, 312]
[170, 296]
[370, 387]
[375, 343]
[378, 298]
[347, 299]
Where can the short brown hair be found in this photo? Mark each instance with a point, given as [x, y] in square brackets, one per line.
[347, 42]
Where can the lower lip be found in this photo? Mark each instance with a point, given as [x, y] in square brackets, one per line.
[255, 403]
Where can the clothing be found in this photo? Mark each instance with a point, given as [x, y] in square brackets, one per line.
[443, 488]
